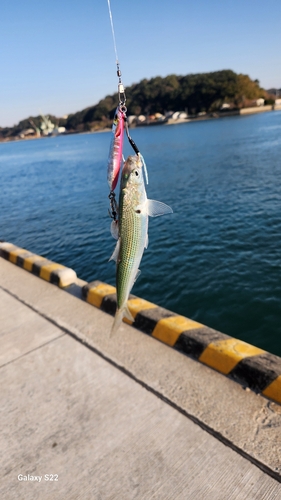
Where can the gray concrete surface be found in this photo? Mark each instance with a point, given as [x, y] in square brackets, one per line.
[66, 410]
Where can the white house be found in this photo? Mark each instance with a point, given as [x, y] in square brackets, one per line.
[260, 102]
[131, 119]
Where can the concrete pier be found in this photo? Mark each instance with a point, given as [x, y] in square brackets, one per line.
[123, 417]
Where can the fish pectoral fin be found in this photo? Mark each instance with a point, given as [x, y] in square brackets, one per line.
[115, 254]
[157, 208]
[114, 229]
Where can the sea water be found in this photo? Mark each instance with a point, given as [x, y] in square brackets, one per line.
[216, 259]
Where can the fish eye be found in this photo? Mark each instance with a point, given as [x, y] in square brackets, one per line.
[136, 172]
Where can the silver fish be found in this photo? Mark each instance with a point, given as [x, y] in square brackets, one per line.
[131, 232]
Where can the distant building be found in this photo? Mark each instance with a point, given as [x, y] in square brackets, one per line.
[260, 102]
[27, 132]
[131, 119]
[49, 128]
[159, 116]
[179, 115]
[278, 102]
[225, 105]
[46, 126]
[250, 103]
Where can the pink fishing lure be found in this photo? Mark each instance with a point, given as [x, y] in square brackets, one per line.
[116, 149]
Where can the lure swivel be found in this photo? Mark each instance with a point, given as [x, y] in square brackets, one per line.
[121, 88]
[122, 96]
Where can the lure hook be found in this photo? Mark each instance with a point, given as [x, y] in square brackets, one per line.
[113, 212]
[131, 141]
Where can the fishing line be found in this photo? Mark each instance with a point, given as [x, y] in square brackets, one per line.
[113, 33]
[122, 101]
[121, 89]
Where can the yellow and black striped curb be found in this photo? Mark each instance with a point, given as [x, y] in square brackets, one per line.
[258, 369]
[247, 364]
[44, 268]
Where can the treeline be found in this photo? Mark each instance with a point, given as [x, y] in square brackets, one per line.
[194, 92]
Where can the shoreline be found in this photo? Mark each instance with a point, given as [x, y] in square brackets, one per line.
[211, 116]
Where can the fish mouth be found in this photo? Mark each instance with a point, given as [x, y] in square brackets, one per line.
[131, 163]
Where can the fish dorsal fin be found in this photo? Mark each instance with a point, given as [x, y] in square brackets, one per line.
[114, 229]
[115, 254]
[157, 208]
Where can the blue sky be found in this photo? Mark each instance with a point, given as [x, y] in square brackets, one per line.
[58, 56]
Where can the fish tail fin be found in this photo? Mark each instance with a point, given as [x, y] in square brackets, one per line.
[117, 321]
[120, 314]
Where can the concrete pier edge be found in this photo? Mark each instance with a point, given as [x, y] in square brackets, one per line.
[247, 364]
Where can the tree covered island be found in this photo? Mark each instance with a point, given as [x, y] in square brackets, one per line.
[193, 94]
